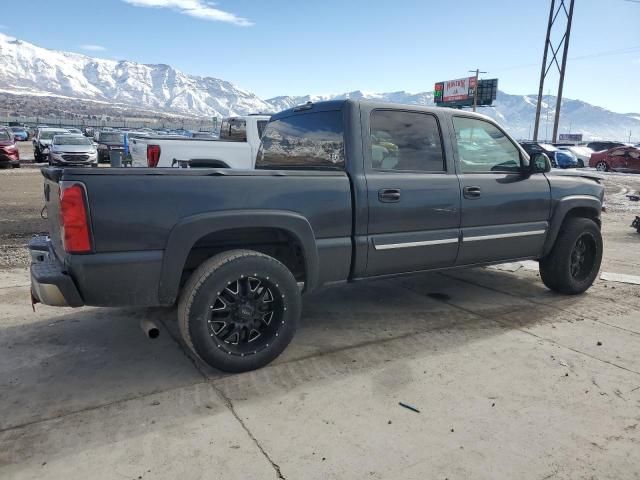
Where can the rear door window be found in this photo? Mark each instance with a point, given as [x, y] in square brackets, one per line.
[405, 141]
[311, 140]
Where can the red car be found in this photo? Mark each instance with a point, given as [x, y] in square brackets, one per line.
[8, 151]
[618, 159]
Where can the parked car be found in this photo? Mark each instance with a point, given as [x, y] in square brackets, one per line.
[42, 142]
[109, 141]
[343, 190]
[88, 131]
[559, 158]
[599, 146]
[236, 148]
[72, 149]
[9, 154]
[582, 153]
[20, 133]
[619, 159]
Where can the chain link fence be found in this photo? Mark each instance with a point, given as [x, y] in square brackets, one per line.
[199, 125]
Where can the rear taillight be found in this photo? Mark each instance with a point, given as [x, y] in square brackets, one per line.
[153, 155]
[74, 221]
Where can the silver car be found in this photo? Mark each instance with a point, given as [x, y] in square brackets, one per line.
[71, 150]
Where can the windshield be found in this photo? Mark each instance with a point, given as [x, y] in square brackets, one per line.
[70, 140]
[49, 134]
[112, 137]
[17, 129]
[4, 135]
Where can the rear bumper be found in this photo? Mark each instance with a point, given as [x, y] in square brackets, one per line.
[9, 159]
[50, 284]
[114, 279]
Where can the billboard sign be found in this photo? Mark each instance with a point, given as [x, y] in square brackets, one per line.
[459, 93]
[459, 89]
[570, 137]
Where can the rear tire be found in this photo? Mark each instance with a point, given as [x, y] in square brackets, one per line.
[239, 310]
[574, 261]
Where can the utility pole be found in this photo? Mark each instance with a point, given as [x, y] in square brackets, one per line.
[562, 71]
[475, 90]
[561, 67]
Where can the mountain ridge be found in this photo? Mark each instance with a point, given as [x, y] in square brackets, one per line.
[28, 71]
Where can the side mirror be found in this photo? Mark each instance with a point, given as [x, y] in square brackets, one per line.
[540, 163]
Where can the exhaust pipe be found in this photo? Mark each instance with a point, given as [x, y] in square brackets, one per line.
[149, 328]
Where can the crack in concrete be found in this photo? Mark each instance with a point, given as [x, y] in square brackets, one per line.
[227, 401]
[232, 409]
[95, 407]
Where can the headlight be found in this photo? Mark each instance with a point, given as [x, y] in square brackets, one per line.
[56, 155]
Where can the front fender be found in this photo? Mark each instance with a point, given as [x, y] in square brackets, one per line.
[189, 230]
[563, 208]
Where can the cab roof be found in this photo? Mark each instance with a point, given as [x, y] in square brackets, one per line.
[329, 105]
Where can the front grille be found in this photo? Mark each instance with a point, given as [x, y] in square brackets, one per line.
[75, 158]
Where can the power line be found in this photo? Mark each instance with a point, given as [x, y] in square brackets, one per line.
[606, 53]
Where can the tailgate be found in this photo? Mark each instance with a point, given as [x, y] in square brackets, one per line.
[52, 204]
[138, 151]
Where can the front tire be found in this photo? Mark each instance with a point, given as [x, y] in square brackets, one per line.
[239, 310]
[602, 166]
[574, 261]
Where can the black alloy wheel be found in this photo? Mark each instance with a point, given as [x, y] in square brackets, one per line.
[246, 315]
[573, 263]
[239, 310]
[583, 256]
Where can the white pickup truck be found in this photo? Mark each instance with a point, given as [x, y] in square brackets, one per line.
[236, 148]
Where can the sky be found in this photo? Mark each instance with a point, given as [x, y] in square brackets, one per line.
[287, 47]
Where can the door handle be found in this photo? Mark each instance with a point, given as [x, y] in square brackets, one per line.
[389, 195]
[471, 192]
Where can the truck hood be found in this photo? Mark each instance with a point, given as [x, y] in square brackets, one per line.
[576, 173]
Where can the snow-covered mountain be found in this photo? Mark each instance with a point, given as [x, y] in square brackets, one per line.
[28, 69]
[515, 112]
[29, 72]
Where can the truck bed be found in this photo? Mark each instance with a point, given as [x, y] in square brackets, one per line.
[159, 202]
[229, 154]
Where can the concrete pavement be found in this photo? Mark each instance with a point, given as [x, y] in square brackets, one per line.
[511, 381]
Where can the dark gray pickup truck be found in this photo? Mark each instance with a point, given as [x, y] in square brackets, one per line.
[342, 191]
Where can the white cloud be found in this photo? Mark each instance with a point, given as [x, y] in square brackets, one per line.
[194, 8]
[93, 48]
